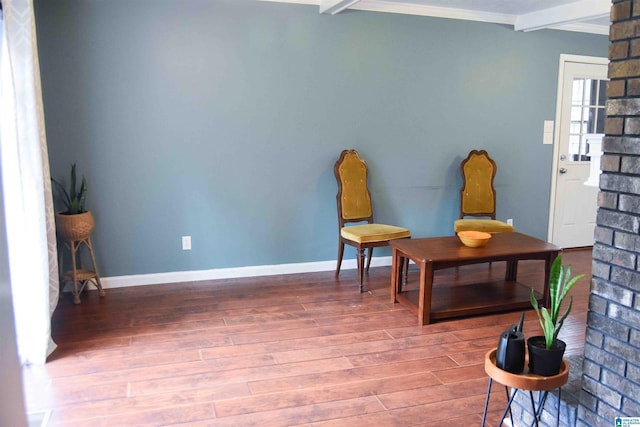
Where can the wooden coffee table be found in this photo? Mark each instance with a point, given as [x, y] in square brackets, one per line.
[436, 253]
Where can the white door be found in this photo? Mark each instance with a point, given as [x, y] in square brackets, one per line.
[580, 118]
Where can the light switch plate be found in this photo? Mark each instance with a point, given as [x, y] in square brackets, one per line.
[548, 126]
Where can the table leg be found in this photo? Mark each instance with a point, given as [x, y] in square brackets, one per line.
[533, 408]
[405, 262]
[542, 398]
[426, 285]
[511, 274]
[508, 408]
[402, 273]
[506, 390]
[486, 402]
[95, 268]
[559, 402]
[546, 301]
[74, 250]
[394, 275]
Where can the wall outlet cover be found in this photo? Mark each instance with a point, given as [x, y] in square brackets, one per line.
[186, 243]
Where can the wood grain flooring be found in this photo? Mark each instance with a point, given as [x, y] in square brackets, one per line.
[294, 350]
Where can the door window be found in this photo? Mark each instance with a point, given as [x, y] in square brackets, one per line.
[587, 116]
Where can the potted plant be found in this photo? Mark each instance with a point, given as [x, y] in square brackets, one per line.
[545, 352]
[75, 222]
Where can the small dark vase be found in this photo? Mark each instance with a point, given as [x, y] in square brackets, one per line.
[542, 361]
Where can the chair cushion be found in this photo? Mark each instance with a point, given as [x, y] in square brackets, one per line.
[368, 233]
[486, 225]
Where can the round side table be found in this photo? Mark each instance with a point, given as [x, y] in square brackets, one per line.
[525, 381]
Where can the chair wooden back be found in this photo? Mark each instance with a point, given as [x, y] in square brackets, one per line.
[478, 196]
[353, 198]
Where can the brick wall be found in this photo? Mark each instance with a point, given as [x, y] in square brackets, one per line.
[611, 369]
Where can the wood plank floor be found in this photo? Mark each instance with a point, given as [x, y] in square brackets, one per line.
[295, 350]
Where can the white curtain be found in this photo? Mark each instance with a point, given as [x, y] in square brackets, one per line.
[27, 185]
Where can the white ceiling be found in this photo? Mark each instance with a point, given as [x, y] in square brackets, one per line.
[589, 16]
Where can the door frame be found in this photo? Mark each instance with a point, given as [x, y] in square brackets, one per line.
[564, 58]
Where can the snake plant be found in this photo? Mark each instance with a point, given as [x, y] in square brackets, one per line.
[73, 199]
[560, 283]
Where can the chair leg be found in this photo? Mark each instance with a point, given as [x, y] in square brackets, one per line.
[369, 259]
[360, 266]
[340, 253]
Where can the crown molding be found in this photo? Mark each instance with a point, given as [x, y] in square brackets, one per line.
[308, 2]
[578, 27]
[333, 7]
[570, 13]
[519, 22]
[433, 11]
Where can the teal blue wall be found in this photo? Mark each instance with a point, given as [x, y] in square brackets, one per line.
[222, 119]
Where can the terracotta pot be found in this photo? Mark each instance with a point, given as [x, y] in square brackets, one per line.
[75, 227]
[543, 361]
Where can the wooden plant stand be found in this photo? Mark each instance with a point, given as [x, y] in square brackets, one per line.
[79, 276]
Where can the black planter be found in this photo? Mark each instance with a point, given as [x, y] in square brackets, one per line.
[542, 361]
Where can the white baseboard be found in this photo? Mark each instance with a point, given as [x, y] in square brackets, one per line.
[233, 273]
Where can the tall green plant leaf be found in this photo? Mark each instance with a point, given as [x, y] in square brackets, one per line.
[66, 200]
[568, 285]
[548, 327]
[82, 195]
[560, 283]
[555, 279]
[72, 199]
[561, 321]
[536, 307]
[72, 182]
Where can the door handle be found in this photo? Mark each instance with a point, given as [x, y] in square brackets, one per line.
[562, 171]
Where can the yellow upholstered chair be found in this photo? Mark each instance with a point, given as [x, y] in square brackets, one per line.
[354, 205]
[478, 196]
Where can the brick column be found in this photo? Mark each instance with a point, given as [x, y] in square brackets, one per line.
[611, 369]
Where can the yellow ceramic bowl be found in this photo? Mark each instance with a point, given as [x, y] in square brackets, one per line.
[474, 239]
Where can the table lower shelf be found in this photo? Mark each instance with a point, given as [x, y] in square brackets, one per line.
[471, 299]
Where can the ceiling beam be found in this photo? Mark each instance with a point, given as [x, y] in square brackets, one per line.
[333, 7]
[566, 14]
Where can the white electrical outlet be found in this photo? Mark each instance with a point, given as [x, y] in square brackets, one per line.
[547, 134]
[186, 243]
[510, 221]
